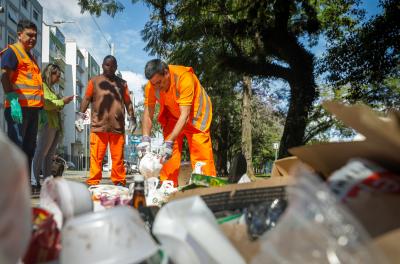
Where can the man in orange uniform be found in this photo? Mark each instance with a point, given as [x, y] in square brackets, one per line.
[109, 96]
[185, 110]
[22, 84]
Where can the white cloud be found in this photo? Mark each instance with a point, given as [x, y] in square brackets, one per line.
[135, 83]
[83, 30]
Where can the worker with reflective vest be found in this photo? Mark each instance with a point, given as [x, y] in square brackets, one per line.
[22, 84]
[185, 111]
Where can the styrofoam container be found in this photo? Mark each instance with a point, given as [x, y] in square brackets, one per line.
[116, 235]
[189, 233]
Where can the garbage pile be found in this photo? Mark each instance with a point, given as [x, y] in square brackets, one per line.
[323, 206]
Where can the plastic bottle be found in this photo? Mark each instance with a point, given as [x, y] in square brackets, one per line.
[138, 199]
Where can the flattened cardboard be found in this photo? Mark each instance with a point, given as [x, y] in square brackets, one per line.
[382, 143]
[389, 245]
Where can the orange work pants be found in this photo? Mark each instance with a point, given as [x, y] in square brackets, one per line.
[200, 148]
[98, 147]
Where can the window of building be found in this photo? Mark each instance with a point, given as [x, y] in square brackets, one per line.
[35, 15]
[12, 15]
[11, 39]
[24, 4]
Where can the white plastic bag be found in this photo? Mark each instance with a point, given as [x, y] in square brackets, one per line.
[15, 205]
[150, 165]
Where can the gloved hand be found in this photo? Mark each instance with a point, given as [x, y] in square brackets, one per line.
[166, 151]
[16, 110]
[132, 125]
[144, 146]
[79, 121]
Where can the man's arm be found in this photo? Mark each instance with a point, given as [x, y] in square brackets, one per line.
[128, 103]
[6, 80]
[180, 124]
[84, 104]
[147, 124]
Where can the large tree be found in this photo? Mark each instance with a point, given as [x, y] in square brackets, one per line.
[251, 37]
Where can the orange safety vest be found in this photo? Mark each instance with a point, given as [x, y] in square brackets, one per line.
[201, 111]
[27, 79]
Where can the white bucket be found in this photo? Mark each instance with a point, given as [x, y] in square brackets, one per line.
[116, 235]
[189, 233]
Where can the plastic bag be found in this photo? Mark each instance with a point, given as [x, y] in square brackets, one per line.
[316, 228]
[15, 220]
[150, 165]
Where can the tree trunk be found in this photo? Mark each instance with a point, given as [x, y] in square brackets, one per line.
[303, 93]
[222, 147]
[246, 126]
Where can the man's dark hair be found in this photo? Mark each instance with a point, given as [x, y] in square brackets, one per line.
[110, 57]
[25, 24]
[153, 67]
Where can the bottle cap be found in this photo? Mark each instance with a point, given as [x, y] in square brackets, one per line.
[138, 177]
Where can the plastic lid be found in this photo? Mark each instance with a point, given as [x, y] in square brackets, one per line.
[138, 177]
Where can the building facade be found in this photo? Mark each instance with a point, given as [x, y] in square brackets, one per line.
[13, 11]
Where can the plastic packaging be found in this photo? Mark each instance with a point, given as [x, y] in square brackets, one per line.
[116, 235]
[316, 228]
[189, 233]
[69, 198]
[15, 205]
[107, 196]
[45, 244]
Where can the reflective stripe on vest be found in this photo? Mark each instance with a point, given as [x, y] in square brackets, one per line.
[203, 94]
[27, 79]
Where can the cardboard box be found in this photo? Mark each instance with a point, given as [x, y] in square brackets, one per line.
[239, 196]
[382, 143]
[388, 244]
[378, 212]
[284, 167]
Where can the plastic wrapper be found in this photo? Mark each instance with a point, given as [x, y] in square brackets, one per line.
[45, 244]
[108, 196]
[15, 220]
[316, 228]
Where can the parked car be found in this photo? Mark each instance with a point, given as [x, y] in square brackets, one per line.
[71, 165]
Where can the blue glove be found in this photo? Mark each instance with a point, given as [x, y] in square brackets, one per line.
[16, 110]
[144, 146]
[166, 151]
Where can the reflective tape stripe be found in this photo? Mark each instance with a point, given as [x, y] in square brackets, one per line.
[199, 108]
[206, 114]
[29, 75]
[26, 86]
[176, 77]
[30, 97]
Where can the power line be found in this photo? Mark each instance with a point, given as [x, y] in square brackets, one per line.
[101, 31]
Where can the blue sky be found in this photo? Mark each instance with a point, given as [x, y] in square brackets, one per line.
[124, 31]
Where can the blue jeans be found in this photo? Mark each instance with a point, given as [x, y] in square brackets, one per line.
[24, 135]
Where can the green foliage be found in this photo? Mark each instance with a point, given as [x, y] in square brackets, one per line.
[368, 59]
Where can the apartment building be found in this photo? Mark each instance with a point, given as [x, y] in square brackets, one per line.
[13, 11]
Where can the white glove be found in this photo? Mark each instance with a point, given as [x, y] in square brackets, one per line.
[166, 151]
[79, 121]
[132, 125]
[144, 146]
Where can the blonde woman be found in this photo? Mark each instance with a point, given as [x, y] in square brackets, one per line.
[50, 127]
